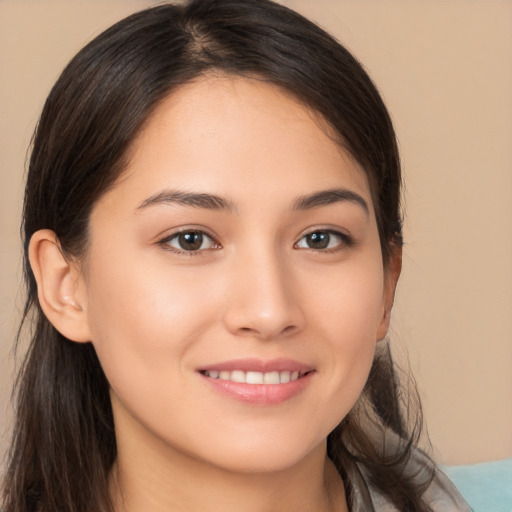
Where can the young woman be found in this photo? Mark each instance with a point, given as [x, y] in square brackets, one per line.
[213, 239]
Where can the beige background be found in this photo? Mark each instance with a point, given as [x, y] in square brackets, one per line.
[445, 71]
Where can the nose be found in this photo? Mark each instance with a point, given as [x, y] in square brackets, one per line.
[262, 299]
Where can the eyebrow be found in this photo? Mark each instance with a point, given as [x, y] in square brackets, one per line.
[194, 199]
[327, 197]
[215, 202]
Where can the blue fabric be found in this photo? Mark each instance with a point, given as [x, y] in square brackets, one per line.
[487, 487]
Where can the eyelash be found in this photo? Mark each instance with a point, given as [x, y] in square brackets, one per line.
[345, 241]
[165, 242]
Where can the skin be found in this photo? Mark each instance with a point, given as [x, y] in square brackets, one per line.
[156, 313]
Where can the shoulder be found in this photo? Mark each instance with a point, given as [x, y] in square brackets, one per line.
[440, 495]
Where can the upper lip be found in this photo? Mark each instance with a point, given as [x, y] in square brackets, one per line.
[258, 365]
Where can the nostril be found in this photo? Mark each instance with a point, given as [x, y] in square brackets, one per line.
[288, 329]
[267, 333]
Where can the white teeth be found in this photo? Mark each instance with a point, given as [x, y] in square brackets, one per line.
[254, 377]
[272, 378]
[285, 377]
[238, 376]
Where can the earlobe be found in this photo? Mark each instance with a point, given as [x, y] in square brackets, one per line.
[393, 269]
[59, 286]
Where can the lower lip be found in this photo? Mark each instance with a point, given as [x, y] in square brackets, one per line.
[260, 394]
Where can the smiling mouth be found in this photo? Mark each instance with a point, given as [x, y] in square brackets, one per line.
[257, 382]
[252, 377]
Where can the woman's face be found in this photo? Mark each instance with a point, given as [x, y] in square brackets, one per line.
[234, 287]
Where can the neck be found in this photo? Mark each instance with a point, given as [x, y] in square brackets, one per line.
[150, 478]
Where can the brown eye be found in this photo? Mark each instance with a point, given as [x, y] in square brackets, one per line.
[321, 240]
[318, 240]
[190, 241]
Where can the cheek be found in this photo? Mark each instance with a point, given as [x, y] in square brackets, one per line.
[349, 316]
[144, 321]
[143, 317]
[350, 303]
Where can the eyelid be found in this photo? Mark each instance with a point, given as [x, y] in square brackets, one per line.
[346, 239]
[164, 241]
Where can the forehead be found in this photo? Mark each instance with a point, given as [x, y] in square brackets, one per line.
[232, 135]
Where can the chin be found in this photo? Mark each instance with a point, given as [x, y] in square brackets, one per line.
[265, 461]
[266, 453]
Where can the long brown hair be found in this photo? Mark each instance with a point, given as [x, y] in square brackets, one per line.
[63, 443]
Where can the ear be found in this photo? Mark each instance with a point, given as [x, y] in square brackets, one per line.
[60, 287]
[392, 273]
